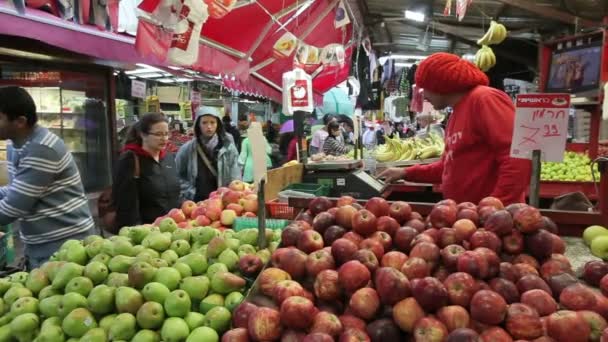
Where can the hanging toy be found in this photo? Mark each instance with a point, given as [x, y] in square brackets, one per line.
[185, 41]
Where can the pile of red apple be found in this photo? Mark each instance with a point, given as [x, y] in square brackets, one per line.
[218, 211]
[383, 273]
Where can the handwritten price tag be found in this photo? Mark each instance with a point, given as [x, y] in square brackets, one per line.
[541, 123]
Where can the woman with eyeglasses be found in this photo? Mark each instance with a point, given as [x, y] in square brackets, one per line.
[146, 185]
[208, 161]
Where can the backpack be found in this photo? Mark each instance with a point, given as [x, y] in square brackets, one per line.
[105, 204]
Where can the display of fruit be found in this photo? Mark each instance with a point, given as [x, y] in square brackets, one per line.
[395, 149]
[443, 278]
[163, 281]
[485, 58]
[576, 167]
[496, 34]
[322, 157]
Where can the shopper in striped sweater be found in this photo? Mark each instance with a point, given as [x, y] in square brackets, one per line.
[333, 145]
[45, 192]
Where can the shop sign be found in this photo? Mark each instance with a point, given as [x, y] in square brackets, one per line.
[541, 123]
[138, 89]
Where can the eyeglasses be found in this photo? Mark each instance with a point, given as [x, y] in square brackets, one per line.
[160, 134]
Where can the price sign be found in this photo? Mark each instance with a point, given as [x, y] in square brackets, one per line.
[138, 89]
[541, 123]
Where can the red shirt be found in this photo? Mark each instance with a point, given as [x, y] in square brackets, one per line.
[476, 162]
[292, 149]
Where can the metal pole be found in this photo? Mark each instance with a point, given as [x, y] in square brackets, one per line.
[535, 180]
[262, 242]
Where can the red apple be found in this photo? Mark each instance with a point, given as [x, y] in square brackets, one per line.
[427, 236]
[353, 275]
[549, 225]
[327, 323]
[332, 234]
[237, 208]
[449, 202]
[450, 254]
[364, 303]
[400, 211]
[373, 245]
[488, 307]
[240, 315]
[568, 326]
[384, 330]
[528, 220]
[345, 200]
[297, 312]
[403, 238]
[484, 238]
[594, 271]
[202, 221]
[343, 250]
[604, 285]
[499, 223]
[378, 206]
[559, 245]
[541, 301]
[394, 259]
[265, 325]
[525, 269]
[523, 322]
[513, 243]
[290, 236]
[392, 285]
[515, 207]
[318, 337]
[364, 223]
[319, 205]
[323, 221]
[368, 259]
[553, 267]
[188, 207]
[508, 271]
[293, 261]
[285, 289]
[441, 273]
[429, 293]
[310, 241]
[454, 317]
[214, 214]
[250, 203]
[443, 216]
[416, 223]
[384, 238]
[559, 282]
[177, 215]
[270, 277]
[406, 313]
[250, 265]
[429, 329]
[492, 260]
[531, 282]
[327, 286]
[461, 288]
[344, 216]
[596, 322]
[491, 202]
[351, 322]
[447, 236]
[506, 289]
[466, 205]
[468, 214]
[464, 229]
[473, 263]
[495, 334]
[463, 335]
[539, 244]
[427, 251]
[354, 335]
[354, 237]
[231, 196]
[292, 336]
[319, 261]
[577, 297]
[415, 268]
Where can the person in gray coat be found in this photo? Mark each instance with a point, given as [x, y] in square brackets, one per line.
[208, 161]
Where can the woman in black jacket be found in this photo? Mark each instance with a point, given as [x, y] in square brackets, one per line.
[146, 185]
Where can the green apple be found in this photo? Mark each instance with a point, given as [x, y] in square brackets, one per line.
[122, 247]
[228, 233]
[24, 305]
[203, 334]
[194, 320]
[90, 239]
[599, 247]
[138, 249]
[94, 248]
[168, 276]
[101, 300]
[56, 321]
[117, 279]
[177, 304]
[167, 225]
[48, 292]
[24, 326]
[174, 329]
[233, 244]
[210, 302]
[203, 234]
[103, 258]
[181, 234]
[19, 277]
[248, 236]
[196, 261]
[78, 322]
[96, 271]
[155, 292]
[149, 251]
[70, 302]
[196, 287]
[264, 254]
[273, 246]
[94, 335]
[151, 315]
[106, 322]
[230, 259]
[216, 268]
[80, 285]
[138, 234]
[183, 269]
[159, 242]
[121, 263]
[37, 280]
[246, 249]
[218, 319]
[181, 247]
[233, 300]
[128, 299]
[158, 263]
[49, 307]
[170, 256]
[146, 336]
[592, 232]
[76, 254]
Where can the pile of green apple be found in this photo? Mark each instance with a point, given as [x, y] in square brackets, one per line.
[575, 168]
[146, 284]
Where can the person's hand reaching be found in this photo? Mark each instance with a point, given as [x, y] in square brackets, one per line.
[392, 174]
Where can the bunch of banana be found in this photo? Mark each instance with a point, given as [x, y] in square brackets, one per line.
[496, 34]
[485, 58]
[404, 150]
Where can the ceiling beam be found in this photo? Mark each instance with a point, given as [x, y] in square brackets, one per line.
[551, 13]
[500, 11]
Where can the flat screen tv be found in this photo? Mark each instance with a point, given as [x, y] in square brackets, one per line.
[575, 70]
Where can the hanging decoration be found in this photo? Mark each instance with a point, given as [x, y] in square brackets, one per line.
[333, 55]
[461, 8]
[341, 18]
[285, 45]
[297, 92]
[447, 10]
[219, 8]
[185, 41]
[307, 57]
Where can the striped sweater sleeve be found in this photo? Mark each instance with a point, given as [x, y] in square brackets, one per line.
[36, 172]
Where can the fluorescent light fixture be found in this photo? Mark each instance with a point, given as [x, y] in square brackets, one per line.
[184, 80]
[148, 67]
[139, 71]
[415, 16]
[404, 65]
[416, 57]
[175, 67]
[132, 77]
[150, 75]
[165, 80]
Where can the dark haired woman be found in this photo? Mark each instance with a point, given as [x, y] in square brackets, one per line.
[146, 185]
[334, 146]
[208, 161]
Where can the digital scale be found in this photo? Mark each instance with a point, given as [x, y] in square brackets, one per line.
[344, 179]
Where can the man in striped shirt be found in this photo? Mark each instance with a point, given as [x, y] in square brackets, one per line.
[45, 192]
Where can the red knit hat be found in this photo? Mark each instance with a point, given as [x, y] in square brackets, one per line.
[445, 73]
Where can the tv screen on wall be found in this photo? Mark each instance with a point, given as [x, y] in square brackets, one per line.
[575, 70]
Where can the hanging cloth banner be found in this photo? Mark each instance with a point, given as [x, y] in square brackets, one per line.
[184, 43]
[341, 18]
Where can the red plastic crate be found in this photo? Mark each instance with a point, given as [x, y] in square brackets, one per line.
[280, 210]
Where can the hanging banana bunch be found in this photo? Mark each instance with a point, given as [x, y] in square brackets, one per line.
[485, 58]
[396, 150]
[496, 34]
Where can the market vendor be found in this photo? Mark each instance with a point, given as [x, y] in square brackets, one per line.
[208, 161]
[476, 162]
[45, 191]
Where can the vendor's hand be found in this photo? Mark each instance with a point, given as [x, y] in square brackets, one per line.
[392, 174]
